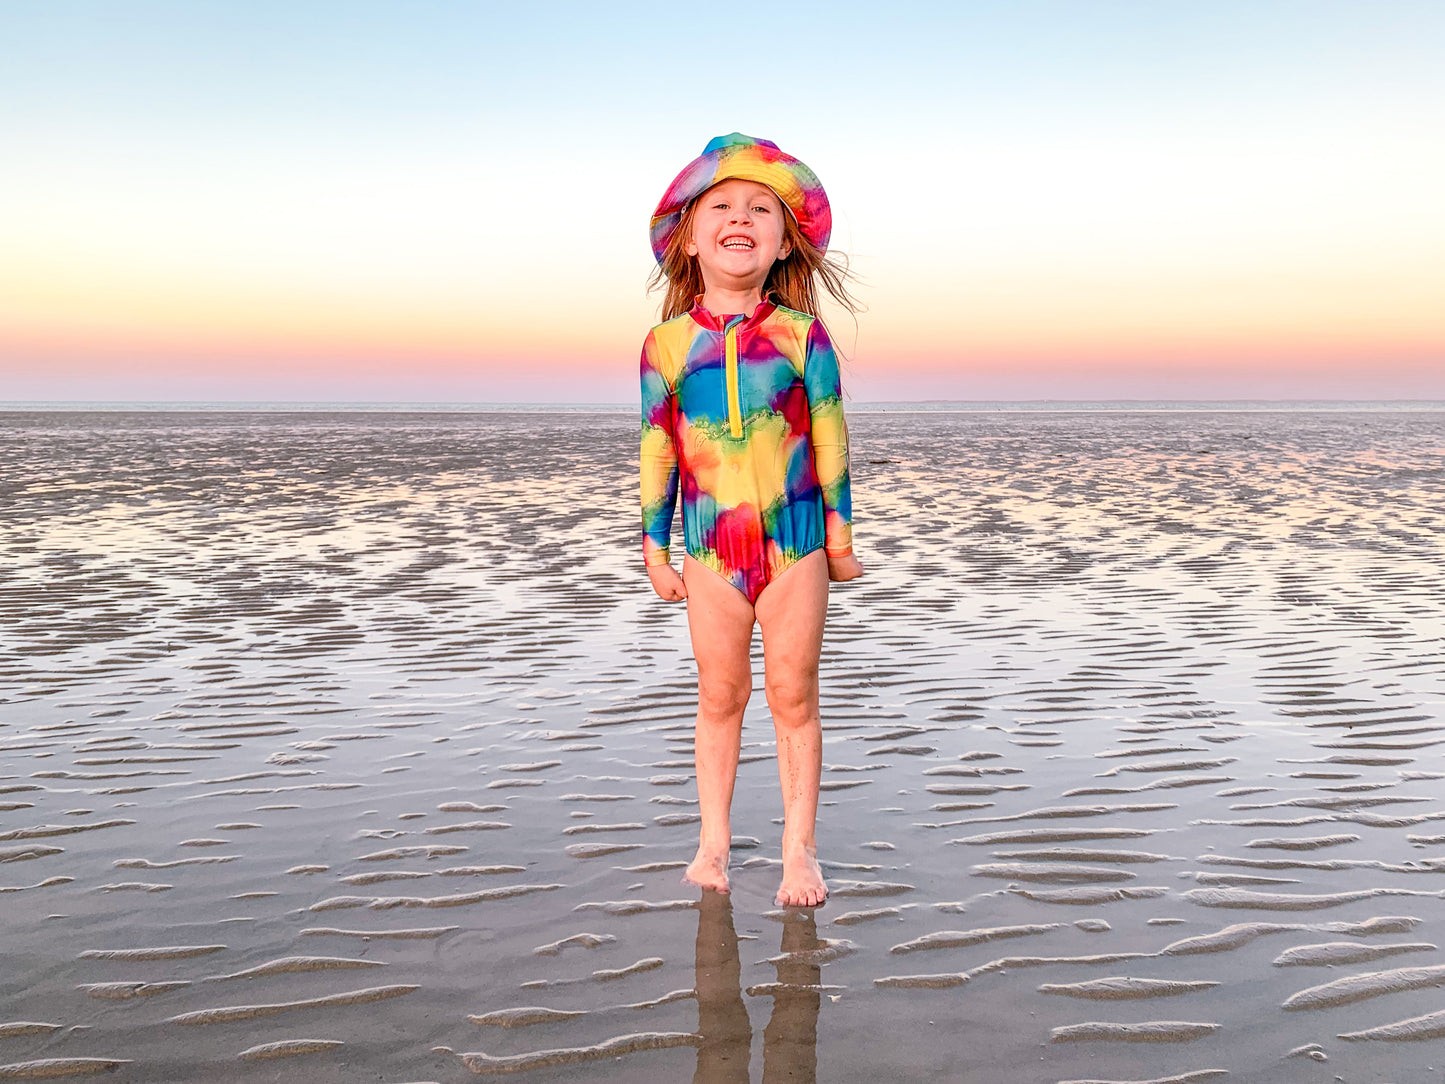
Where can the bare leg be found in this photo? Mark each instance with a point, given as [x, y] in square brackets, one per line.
[720, 620]
[791, 611]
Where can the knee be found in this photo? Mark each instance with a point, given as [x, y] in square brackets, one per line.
[722, 701]
[793, 699]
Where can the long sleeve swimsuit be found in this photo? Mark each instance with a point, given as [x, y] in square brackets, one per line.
[746, 413]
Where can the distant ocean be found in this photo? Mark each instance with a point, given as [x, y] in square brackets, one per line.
[929, 406]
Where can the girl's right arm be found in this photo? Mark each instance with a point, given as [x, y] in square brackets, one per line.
[658, 460]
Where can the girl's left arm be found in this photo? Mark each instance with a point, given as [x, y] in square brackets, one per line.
[823, 384]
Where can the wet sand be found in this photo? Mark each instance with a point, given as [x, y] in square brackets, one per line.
[340, 747]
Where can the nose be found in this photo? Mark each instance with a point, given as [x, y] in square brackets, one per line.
[741, 214]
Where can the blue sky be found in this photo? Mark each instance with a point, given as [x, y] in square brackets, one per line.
[1042, 198]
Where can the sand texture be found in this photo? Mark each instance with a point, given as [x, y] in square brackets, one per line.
[340, 747]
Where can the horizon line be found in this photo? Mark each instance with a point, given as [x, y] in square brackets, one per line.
[607, 406]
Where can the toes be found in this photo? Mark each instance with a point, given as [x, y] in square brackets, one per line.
[805, 898]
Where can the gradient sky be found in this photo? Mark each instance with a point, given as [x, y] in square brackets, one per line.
[444, 201]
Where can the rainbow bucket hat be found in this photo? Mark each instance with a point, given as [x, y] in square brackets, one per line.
[737, 155]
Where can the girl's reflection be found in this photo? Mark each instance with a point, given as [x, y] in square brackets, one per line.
[790, 1043]
[790, 1040]
[722, 1018]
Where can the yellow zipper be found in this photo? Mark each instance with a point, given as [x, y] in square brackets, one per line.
[735, 404]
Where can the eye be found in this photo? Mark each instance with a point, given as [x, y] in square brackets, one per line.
[763, 208]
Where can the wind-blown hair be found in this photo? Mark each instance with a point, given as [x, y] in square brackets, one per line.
[793, 281]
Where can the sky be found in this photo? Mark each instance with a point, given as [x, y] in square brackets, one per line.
[378, 200]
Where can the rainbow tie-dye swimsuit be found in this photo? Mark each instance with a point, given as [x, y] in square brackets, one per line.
[747, 411]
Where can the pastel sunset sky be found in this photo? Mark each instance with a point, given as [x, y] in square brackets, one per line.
[442, 201]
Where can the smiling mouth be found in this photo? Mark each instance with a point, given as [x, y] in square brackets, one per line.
[737, 243]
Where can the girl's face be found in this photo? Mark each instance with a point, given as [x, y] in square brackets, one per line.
[737, 234]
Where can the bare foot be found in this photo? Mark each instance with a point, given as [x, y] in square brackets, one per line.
[709, 869]
[803, 884]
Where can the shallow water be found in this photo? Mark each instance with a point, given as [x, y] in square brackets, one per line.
[354, 746]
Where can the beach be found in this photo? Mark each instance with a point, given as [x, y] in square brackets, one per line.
[345, 745]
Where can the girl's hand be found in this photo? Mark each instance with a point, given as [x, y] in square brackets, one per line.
[844, 568]
[667, 583]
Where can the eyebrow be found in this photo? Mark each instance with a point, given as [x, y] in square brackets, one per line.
[764, 194]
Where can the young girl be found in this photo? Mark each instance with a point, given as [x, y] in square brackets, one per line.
[741, 403]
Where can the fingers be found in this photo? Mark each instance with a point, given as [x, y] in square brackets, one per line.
[668, 584]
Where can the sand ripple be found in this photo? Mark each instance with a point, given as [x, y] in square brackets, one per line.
[524, 1017]
[1124, 988]
[1359, 987]
[1240, 934]
[585, 940]
[47, 1068]
[1285, 901]
[1150, 1031]
[251, 1012]
[460, 899]
[1415, 1029]
[427, 933]
[294, 964]
[288, 1048]
[965, 938]
[165, 952]
[1198, 1076]
[1333, 953]
[483, 1064]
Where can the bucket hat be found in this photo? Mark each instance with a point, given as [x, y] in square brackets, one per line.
[741, 156]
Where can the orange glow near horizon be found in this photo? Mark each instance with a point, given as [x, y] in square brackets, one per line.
[168, 325]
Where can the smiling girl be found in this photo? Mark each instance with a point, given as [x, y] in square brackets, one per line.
[742, 409]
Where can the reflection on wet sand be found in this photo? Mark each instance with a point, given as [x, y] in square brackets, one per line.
[344, 746]
[722, 1018]
[790, 1041]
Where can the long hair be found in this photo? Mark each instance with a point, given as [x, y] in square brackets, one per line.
[793, 281]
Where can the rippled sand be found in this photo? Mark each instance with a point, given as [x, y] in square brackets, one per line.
[350, 747]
